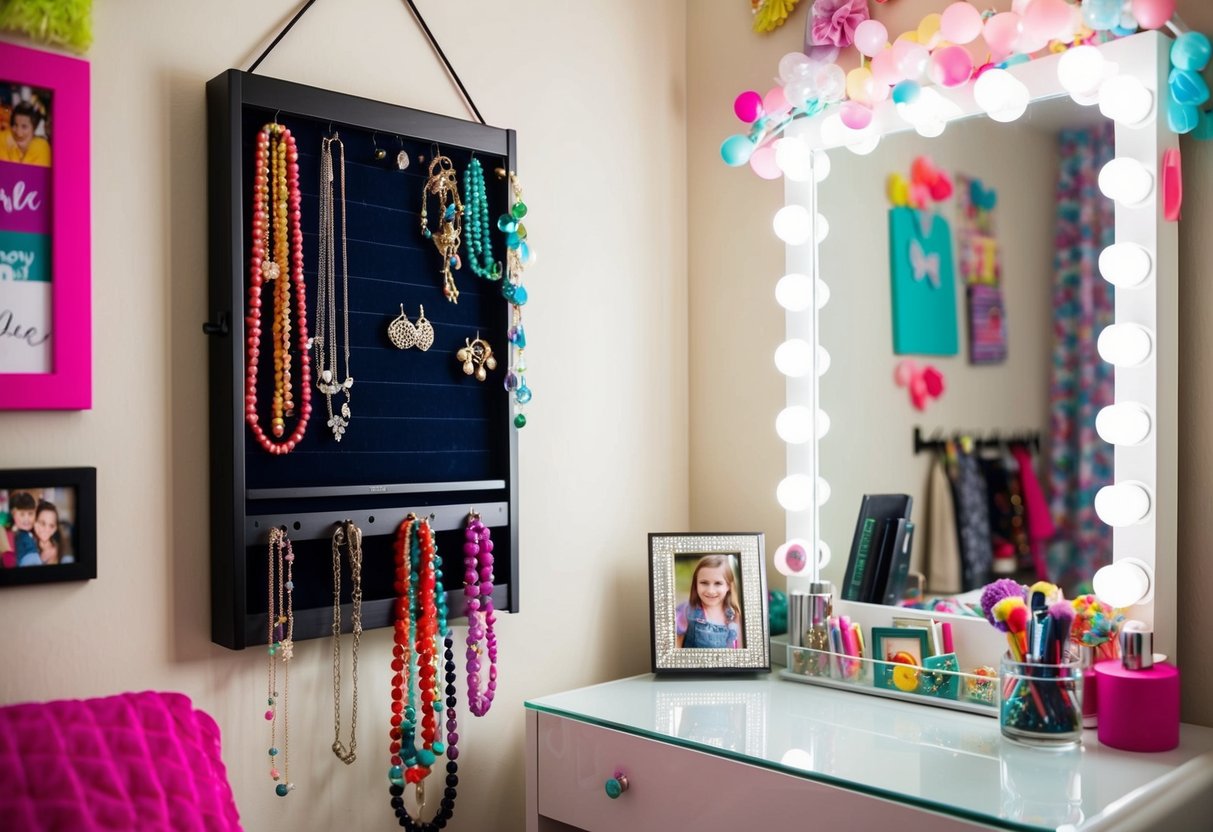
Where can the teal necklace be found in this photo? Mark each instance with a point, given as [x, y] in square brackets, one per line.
[479, 247]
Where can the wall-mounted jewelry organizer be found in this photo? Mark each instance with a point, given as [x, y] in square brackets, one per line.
[423, 437]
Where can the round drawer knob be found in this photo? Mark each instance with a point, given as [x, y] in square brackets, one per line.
[617, 785]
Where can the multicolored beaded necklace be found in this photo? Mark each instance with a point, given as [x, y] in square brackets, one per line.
[421, 618]
[518, 256]
[277, 259]
[478, 590]
[280, 617]
[444, 186]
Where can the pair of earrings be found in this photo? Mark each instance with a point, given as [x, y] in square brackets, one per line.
[403, 333]
[402, 157]
[476, 356]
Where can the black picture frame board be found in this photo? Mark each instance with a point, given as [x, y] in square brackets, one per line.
[424, 437]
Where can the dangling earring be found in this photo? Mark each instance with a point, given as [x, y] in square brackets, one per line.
[425, 332]
[379, 153]
[402, 158]
[402, 333]
[476, 356]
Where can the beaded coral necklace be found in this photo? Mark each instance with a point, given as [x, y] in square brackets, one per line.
[277, 254]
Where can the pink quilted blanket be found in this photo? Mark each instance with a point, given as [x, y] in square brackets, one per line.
[137, 761]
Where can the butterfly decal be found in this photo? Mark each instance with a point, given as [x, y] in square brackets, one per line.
[924, 382]
[925, 266]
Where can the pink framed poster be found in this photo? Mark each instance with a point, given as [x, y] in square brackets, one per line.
[45, 245]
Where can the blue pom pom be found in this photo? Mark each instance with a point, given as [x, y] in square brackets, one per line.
[906, 92]
[1191, 51]
[1182, 118]
[1188, 87]
[736, 150]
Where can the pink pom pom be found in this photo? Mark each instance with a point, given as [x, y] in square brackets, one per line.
[748, 106]
[1001, 32]
[1152, 14]
[950, 66]
[960, 23]
[775, 101]
[1047, 19]
[885, 71]
[856, 116]
[762, 161]
[933, 380]
[871, 37]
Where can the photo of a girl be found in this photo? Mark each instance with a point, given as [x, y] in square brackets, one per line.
[711, 615]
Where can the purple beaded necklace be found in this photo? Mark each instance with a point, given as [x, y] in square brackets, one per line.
[478, 591]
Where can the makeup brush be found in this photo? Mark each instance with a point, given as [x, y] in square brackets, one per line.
[1011, 616]
[997, 591]
[1061, 614]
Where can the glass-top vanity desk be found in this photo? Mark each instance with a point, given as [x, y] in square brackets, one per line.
[759, 752]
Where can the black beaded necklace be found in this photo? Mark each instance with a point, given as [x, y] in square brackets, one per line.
[446, 808]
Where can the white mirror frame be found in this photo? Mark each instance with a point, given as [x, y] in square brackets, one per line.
[1153, 304]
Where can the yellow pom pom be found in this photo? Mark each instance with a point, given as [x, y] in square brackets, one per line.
[769, 15]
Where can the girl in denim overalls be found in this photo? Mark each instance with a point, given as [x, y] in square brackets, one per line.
[712, 616]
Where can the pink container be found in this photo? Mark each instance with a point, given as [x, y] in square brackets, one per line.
[1138, 709]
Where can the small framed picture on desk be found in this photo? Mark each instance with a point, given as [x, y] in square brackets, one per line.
[709, 603]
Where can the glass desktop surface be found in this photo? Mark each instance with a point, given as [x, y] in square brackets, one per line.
[944, 761]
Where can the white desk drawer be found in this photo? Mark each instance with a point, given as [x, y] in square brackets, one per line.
[672, 788]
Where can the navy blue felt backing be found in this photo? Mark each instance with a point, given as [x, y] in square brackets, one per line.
[416, 418]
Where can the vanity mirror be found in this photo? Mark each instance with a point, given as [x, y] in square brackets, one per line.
[852, 431]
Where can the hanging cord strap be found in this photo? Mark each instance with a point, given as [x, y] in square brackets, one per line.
[467, 97]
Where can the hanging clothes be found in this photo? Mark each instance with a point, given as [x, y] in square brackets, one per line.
[1080, 462]
[972, 519]
[942, 567]
[1008, 526]
[1040, 526]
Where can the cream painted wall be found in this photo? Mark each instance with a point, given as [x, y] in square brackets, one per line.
[869, 448]
[601, 139]
[735, 325]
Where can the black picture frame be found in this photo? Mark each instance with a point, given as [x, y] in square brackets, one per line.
[82, 525]
[739, 555]
[241, 513]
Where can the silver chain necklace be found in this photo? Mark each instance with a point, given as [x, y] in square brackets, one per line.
[350, 536]
[325, 342]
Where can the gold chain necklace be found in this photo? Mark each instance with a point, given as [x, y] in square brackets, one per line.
[350, 536]
[281, 620]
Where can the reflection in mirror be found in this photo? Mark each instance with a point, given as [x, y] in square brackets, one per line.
[971, 324]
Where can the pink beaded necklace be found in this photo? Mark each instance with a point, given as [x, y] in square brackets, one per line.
[275, 253]
[478, 590]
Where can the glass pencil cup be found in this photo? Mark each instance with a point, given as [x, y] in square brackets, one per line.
[1040, 704]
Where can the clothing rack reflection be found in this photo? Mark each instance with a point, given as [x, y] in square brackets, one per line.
[993, 439]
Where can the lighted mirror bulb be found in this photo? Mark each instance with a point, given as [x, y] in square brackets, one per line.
[866, 145]
[1126, 180]
[1003, 96]
[792, 558]
[823, 361]
[1125, 345]
[1127, 423]
[793, 224]
[795, 492]
[794, 425]
[794, 292]
[1122, 504]
[823, 293]
[794, 158]
[1125, 265]
[822, 227]
[1124, 583]
[823, 492]
[833, 131]
[930, 128]
[1080, 69]
[821, 165]
[1126, 100]
[794, 358]
[823, 423]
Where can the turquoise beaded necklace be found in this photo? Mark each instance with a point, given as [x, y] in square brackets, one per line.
[476, 210]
